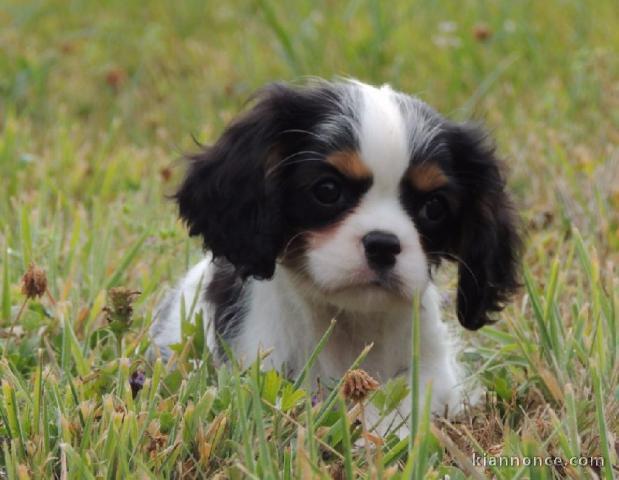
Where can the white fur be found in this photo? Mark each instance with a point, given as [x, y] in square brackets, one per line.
[336, 260]
[383, 140]
[188, 298]
[338, 265]
[289, 322]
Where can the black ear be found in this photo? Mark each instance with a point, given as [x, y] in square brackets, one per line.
[488, 244]
[229, 198]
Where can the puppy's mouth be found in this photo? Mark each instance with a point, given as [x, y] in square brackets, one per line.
[387, 282]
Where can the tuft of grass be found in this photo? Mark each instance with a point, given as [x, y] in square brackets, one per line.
[97, 102]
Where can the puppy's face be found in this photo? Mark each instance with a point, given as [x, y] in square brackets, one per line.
[368, 198]
[357, 190]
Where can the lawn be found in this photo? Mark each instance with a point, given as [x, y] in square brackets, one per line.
[98, 100]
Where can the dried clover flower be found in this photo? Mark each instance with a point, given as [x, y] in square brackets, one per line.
[34, 282]
[482, 32]
[358, 384]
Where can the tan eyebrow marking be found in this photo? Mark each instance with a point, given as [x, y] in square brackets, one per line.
[350, 164]
[427, 176]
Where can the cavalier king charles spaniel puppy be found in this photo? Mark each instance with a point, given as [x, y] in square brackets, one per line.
[339, 201]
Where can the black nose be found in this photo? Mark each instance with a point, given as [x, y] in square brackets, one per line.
[381, 248]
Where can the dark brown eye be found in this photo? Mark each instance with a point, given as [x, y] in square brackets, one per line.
[327, 191]
[434, 210]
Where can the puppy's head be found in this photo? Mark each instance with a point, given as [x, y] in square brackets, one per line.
[357, 191]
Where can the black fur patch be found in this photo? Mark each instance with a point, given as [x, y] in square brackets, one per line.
[489, 243]
[480, 230]
[227, 292]
[232, 194]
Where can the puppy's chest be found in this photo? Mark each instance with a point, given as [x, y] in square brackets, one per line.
[388, 356]
[292, 329]
[291, 337]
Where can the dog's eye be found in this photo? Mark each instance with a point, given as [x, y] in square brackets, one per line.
[434, 210]
[327, 191]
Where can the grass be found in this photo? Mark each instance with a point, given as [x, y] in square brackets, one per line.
[98, 99]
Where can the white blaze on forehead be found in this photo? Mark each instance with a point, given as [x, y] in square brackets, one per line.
[383, 139]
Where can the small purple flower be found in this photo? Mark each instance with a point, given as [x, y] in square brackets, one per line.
[137, 382]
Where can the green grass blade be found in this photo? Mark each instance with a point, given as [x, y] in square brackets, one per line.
[26, 237]
[285, 39]
[125, 262]
[332, 398]
[314, 356]
[601, 421]
[6, 290]
[346, 443]
[414, 367]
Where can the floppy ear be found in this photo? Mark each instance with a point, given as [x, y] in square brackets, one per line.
[488, 245]
[226, 196]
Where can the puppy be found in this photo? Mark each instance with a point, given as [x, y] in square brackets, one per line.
[339, 201]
